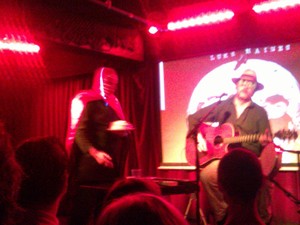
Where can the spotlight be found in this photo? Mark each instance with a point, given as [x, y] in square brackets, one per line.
[153, 30]
[274, 5]
[203, 19]
[18, 46]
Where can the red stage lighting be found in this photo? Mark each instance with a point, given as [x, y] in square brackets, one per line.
[153, 30]
[203, 19]
[18, 46]
[274, 5]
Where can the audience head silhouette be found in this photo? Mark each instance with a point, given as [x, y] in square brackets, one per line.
[240, 177]
[125, 186]
[10, 178]
[140, 208]
[44, 162]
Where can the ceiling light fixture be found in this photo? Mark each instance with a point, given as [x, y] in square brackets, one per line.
[274, 5]
[153, 30]
[18, 46]
[203, 19]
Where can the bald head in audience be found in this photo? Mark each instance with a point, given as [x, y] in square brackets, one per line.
[141, 208]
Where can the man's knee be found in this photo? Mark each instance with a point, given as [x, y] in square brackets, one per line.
[209, 173]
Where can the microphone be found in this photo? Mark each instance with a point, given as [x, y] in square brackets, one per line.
[218, 96]
[222, 95]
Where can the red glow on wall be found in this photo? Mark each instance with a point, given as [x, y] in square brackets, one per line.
[274, 5]
[18, 46]
[203, 19]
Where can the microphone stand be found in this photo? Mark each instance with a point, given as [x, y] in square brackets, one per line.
[287, 193]
[193, 134]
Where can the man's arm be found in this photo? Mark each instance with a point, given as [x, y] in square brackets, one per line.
[82, 139]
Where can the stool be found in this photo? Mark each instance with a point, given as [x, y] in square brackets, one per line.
[202, 216]
[168, 187]
[176, 186]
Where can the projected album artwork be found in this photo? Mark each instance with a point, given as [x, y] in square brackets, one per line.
[190, 84]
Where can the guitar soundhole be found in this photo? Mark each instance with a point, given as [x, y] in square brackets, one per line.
[218, 140]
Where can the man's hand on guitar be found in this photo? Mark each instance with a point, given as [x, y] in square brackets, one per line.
[266, 138]
[201, 143]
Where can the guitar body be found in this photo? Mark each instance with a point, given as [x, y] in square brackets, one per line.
[215, 147]
[216, 140]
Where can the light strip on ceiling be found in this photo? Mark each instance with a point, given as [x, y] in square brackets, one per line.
[274, 5]
[203, 19]
[18, 46]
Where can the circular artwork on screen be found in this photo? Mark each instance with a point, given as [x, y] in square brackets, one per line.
[280, 96]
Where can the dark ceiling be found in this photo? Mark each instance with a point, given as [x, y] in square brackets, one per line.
[245, 29]
[158, 11]
[139, 13]
[125, 12]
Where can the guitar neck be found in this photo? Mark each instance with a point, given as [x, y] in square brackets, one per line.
[243, 138]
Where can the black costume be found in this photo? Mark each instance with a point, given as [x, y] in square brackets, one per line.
[92, 131]
[97, 155]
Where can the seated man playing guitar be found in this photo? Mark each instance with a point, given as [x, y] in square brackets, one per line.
[247, 119]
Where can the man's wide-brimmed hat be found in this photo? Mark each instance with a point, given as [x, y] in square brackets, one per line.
[251, 76]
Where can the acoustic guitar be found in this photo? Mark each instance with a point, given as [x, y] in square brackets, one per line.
[217, 140]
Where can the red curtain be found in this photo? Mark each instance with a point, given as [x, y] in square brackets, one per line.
[44, 110]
